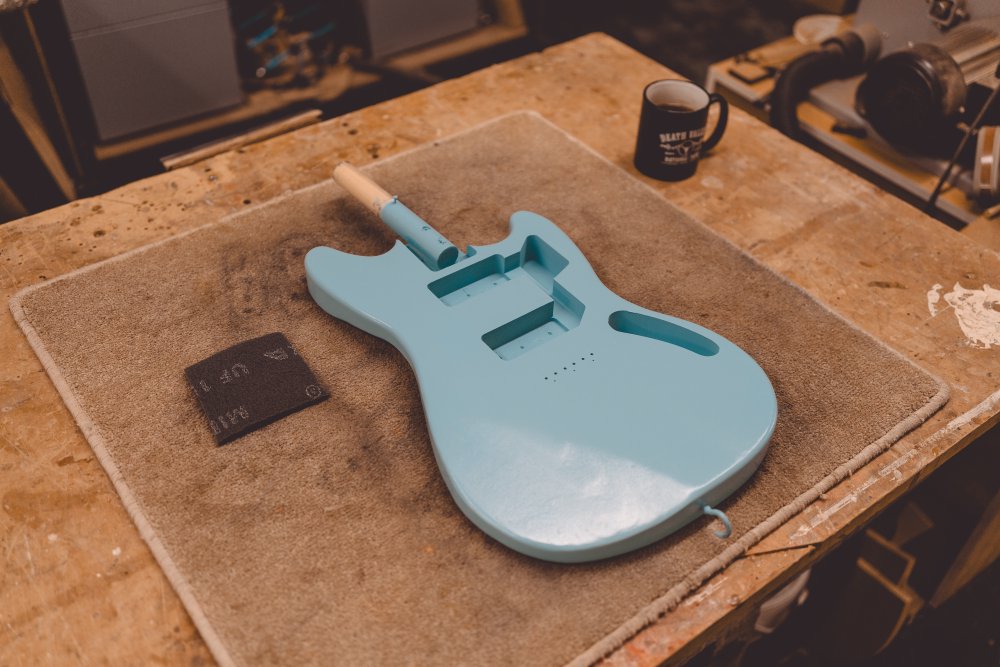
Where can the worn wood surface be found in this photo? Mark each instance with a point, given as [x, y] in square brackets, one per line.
[78, 586]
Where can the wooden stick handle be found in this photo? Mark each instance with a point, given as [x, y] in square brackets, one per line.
[423, 240]
[364, 189]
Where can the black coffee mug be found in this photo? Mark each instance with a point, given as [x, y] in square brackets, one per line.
[672, 128]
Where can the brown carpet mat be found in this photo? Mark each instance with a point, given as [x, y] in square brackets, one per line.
[329, 536]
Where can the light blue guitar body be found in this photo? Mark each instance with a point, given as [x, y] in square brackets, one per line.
[569, 424]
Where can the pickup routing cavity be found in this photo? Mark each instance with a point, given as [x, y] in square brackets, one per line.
[480, 276]
[538, 264]
[536, 259]
[530, 330]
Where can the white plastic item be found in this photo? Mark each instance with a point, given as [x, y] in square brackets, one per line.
[815, 28]
[776, 609]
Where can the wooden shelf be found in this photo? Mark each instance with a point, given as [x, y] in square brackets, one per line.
[338, 80]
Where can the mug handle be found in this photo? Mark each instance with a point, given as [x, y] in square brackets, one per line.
[720, 126]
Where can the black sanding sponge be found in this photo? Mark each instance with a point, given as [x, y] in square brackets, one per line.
[249, 385]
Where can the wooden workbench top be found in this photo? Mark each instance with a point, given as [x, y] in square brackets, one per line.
[77, 584]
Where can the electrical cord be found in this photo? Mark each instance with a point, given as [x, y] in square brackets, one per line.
[973, 129]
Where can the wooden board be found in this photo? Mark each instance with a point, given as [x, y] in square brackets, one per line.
[77, 583]
[867, 616]
[15, 91]
[980, 551]
[205, 151]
